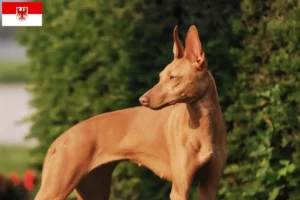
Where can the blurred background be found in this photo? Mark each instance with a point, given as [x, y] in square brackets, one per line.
[91, 57]
[14, 156]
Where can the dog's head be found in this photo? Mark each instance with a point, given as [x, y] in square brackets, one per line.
[185, 79]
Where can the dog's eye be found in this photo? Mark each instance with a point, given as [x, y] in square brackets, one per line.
[172, 77]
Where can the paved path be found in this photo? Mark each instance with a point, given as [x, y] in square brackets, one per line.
[13, 107]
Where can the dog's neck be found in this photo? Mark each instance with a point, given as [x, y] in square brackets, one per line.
[205, 106]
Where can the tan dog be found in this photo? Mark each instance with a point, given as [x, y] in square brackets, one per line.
[179, 143]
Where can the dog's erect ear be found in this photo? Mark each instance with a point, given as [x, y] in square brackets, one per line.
[178, 49]
[193, 48]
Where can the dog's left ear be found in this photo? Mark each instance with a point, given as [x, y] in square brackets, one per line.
[193, 48]
[178, 48]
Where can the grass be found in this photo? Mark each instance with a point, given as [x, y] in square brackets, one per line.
[12, 71]
[13, 158]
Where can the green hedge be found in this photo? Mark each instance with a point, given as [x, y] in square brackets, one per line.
[264, 120]
[92, 57]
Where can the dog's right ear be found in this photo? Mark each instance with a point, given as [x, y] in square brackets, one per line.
[178, 49]
[193, 48]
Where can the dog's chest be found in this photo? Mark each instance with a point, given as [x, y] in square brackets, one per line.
[179, 135]
[190, 140]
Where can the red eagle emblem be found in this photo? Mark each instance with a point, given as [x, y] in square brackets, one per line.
[22, 13]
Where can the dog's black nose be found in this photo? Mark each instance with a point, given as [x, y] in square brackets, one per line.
[144, 100]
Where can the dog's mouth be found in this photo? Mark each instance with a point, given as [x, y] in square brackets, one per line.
[173, 102]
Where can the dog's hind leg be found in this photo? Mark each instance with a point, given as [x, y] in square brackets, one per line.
[59, 177]
[67, 161]
[96, 185]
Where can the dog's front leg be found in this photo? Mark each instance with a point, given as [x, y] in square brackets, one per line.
[206, 150]
[183, 169]
[206, 140]
[180, 190]
[209, 169]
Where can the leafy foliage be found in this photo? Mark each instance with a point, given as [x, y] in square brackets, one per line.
[264, 142]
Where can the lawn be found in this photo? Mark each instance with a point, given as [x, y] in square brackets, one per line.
[12, 71]
[14, 158]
